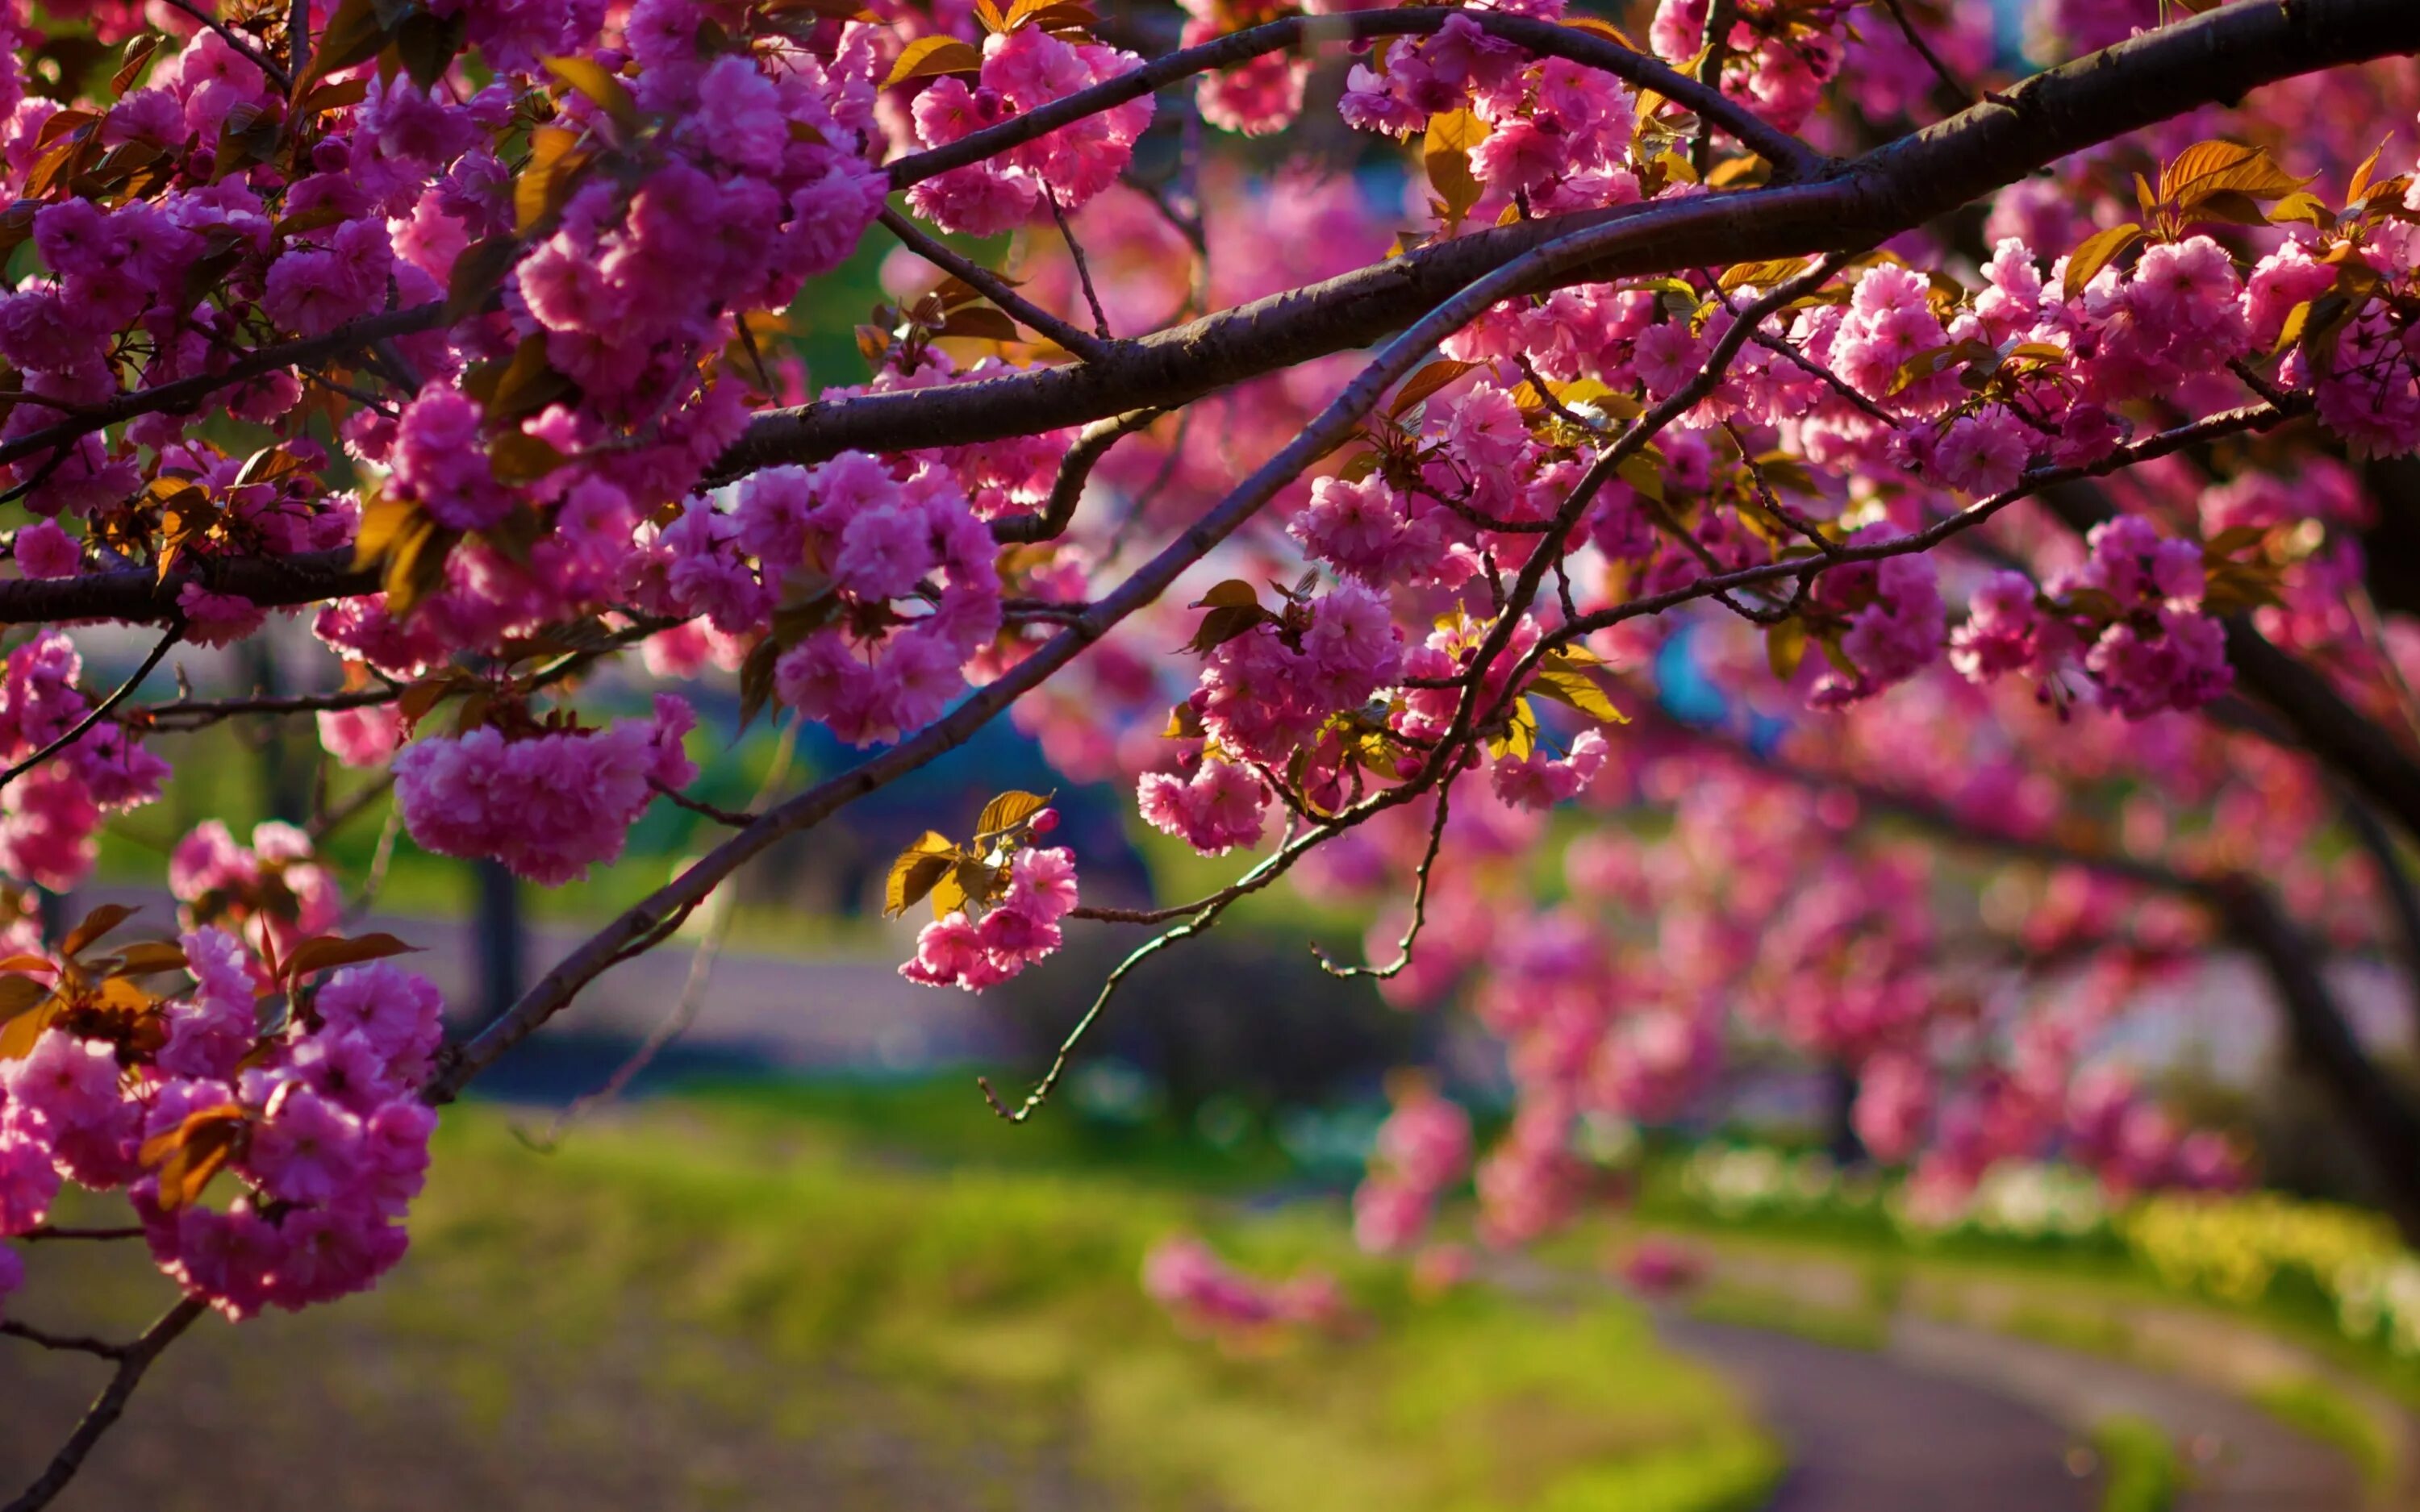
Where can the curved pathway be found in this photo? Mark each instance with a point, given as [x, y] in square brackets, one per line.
[1950, 1417]
[1865, 1433]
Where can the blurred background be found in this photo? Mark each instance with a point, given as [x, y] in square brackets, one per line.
[753, 1239]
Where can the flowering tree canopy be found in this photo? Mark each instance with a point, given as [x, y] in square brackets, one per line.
[1849, 456]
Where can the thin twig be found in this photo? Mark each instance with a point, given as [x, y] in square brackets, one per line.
[699, 806]
[101, 711]
[56, 1233]
[106, 1408]
[989, 285]
[283, 79]
[64, 1343]
[1420, 905]
[720, 908]
[1941, 71]
[1083, 268]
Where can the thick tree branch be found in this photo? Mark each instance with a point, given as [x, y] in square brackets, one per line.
[2215, 57]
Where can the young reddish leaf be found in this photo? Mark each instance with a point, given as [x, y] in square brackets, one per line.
[187, 1156]
[1785, 648]
[1232, 593]
[95, 925]
[1444, 152]
[138, 53]
[427, 44]
[20, 1032]
[547, 183]
[1611, 32]
[145, 957]
[357, 33]
[324, 952]
[1221, 626]
[2199, 161]
[476, 274]
[1763, 274]
[1427, 381]
[328, 97]
[21, 995]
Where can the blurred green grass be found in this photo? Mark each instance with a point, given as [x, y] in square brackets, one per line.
[1021, 1285]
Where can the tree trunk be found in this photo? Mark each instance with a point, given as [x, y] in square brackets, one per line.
[2374, 1110]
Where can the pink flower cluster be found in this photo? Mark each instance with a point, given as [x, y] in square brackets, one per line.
[328, 1136]
[1269, 690]
[49, 816]
[1559, 132]
[1221, 807]
[904, 573]
[1022, 70]
[550, 804]
[1208, 1296]
[1022, 927]
[275, 893]
[1422, 1149]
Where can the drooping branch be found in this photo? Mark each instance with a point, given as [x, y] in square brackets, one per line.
[1333, 425]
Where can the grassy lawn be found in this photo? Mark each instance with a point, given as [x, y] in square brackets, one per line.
[762, 1297]
[1020, 1287]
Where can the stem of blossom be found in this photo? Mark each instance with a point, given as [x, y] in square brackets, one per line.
[106, 1408]
[983, 281]
[100, 711]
